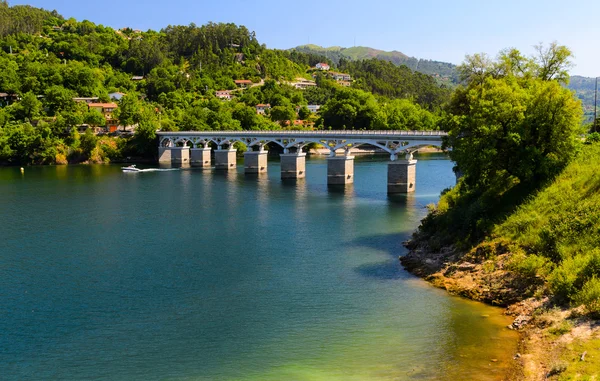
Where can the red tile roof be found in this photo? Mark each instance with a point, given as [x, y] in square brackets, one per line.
[242, 81]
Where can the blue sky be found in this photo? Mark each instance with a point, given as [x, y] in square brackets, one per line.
[432, 29]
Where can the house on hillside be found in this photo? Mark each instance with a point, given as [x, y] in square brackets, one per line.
[137, 78]
[303, 83]
[340, 76]
[262, 108]
[243, 83]
[345, 83]
[117, 96]
[322, 66]
[6, 99]
[312, 108]
[87, 100]
[107, 110]
[223, 94]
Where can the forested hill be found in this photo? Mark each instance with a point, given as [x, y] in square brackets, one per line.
[584, 88]
[62, 78]
[337, 54]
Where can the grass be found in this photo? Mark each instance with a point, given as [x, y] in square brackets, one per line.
[548, 235]
[575, 369]
[556, 232]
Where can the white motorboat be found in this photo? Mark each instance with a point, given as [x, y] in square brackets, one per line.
[131, 168]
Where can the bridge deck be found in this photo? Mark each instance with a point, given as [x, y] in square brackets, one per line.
[322, 134]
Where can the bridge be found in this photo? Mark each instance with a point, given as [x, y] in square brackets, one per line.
[194, 148]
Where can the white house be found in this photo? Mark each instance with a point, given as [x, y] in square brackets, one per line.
[116, 95]
[223, 94]
[261, 108]
[340, 76]
[322, 66]
[313, 108]
[303, 83]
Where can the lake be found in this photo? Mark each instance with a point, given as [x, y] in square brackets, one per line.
[194, 274]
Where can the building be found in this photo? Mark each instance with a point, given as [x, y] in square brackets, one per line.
[340, 76]
[107, 110]
[137, 77]
[6, 99]
[345, 83]
[223, 94]
[311, 108]
[303, 83]
[87, 100]
[262, 108]
[117, 96]
[243, 83]
[322, 66]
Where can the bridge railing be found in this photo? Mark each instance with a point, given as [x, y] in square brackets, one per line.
[318, 132]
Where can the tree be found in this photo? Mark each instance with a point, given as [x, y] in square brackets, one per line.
[512, 128]
[303, 113]
[553, 62]
[58, 99]
[88, 142]
[94, 117]
[129, 111]
[28, 108]
[283, 113]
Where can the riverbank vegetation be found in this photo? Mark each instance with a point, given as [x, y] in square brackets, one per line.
[52, 68]
[520, 228]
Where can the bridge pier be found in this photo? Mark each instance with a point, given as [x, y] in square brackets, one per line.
[200, 157]
[340, 170]
[255, 162]
[164, 155]
[402, 176]
[180, 155]
[293, 165]
[225, 159]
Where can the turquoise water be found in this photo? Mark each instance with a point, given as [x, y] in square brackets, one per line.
[201, 275]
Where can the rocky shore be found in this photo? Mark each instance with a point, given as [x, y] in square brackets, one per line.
[552, 339]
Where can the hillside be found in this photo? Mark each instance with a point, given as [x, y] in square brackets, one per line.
[584, 88]
[336, 54]
[543, 262]
[69, 88]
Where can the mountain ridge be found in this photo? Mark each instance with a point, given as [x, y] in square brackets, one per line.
[336, 53]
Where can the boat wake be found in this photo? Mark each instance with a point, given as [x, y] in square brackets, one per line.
[134, 169]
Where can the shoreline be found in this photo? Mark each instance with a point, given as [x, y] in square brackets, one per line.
[550, 337]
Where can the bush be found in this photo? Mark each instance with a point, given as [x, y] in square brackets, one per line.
[594, 137]
[529, 266]
[590, 296]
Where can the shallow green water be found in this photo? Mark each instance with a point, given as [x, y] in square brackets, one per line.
[200, 275]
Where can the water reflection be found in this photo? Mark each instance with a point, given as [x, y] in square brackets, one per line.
[261, 279]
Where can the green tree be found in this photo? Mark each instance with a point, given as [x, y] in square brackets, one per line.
[512, 128]
[129, 111]
[58, 99]
[28, 108]
[303, 113]
[94, 117]
[282, 113]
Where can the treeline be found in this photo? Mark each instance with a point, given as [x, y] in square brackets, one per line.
[24, 19]
[514, 128]
[429, 67]
[385, 78]
[170, 78]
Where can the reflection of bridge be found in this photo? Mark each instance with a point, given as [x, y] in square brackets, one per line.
[193, 147]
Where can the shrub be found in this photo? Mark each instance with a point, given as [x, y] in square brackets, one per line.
[564, 280]
[594, 137]
[590, 296]
[529, 266]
